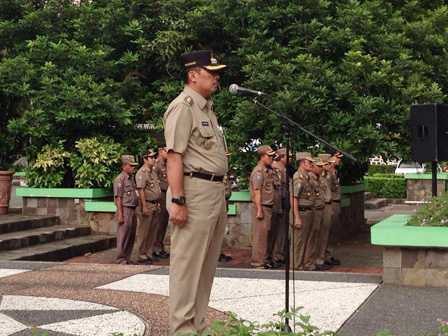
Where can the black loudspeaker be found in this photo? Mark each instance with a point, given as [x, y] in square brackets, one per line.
[429, 132]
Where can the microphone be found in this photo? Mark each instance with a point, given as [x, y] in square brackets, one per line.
[247, 92]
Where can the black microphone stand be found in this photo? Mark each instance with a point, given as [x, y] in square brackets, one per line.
[289, 124]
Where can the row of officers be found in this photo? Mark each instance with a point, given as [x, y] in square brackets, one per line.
[144, 197]
[315, 197]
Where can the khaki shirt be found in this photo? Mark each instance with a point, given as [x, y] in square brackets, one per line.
[282, 171]
[277, 180]
[124, 187]
[147, 180]
[261, 179]
[318, 192]
[191, 129]
[301, 188]
[325, 187]
[333, 182]
[160, 169]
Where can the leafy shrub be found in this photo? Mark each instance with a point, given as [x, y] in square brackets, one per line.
[380, 169]
[386, 185]
[433, 213]
[96, 162]
[48, 170]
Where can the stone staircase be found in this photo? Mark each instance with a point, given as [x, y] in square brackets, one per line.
[42, 238]
[373, 203]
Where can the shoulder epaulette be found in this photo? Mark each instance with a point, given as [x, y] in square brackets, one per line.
[188, 100]
[144, 170]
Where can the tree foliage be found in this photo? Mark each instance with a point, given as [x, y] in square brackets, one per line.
[347, 71]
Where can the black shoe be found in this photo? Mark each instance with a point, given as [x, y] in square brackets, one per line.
[160, 254]
[228, 258]
[272, 265]
[129, 263]
[333, 262]
[323, 267]
[281, 261]
[223, 258]
[148, 260]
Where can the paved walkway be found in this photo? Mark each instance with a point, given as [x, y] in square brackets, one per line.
[97, 297]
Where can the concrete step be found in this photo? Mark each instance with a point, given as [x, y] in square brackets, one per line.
[375, 203]
[61, 250]
[13, 222]
[367, 195]
[20, 239]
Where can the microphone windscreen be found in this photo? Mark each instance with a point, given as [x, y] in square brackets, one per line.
[233, 88]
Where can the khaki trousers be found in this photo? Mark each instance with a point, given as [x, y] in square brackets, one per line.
[126, 235]
[311, 244]
[146, 232]
[299, 238]
[194, 254]
[162, 225]
[335, 218]
[324, 234]
[260, 230]
[272, 236]
[279, 249]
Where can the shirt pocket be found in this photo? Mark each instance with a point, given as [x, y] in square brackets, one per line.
[206, 131]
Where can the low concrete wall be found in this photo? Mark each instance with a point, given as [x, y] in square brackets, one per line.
[419, 186]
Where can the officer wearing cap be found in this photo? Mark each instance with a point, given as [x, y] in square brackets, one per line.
[160, 169]
[126, 200]
[333, 182]
[148, 212]
[324, 231]
[317, 183]
[261, 187]
[302, 204]
[197, 164]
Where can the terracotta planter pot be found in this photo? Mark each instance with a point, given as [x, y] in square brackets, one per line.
[5, 190]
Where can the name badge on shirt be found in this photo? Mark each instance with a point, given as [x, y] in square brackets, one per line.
[204, 123]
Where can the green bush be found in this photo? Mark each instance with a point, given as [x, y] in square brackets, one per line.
[96, 162]
[380, 169]
[48, 171]
[386, 185]
[433, 213]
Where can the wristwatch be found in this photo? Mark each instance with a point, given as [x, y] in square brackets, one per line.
[180, 200]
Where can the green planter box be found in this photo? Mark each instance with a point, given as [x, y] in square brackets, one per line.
[64, 192]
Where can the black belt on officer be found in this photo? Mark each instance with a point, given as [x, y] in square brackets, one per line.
[153, 202]
[130, 207]
[304, 208]
[207, 177]
[162, 190]
[338, 201]
[328, 202]
[267, 205]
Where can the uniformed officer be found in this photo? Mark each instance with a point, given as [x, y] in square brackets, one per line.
[302, 209]
[261, 187]
[160, 168]
[318, 184]
[279, 249]
[148, 212]
[126, 200]
[326, 216]
[335, 204]
[276, 209]
[197, 164]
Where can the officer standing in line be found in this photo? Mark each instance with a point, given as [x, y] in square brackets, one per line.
[279, 249]
[335, 204]
[324, 232]
[160, 169]
[276, 209]
[311, 245]
[148, 212]
[302, 209]
[262, 191]
[197, 165]
[126, 200]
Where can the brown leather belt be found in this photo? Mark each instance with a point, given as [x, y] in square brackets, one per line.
[205, 176]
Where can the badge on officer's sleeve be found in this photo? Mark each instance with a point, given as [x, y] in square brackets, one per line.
[258, 177]
[299, 185]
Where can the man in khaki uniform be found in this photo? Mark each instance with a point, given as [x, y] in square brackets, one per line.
[160, 168]
[324, 232]
[302, 209]
[279, 249]
[197, 164]
[126, 200]
[311, 246]
[276, 209]
[148, 212]
[336, 196]
[261, 187]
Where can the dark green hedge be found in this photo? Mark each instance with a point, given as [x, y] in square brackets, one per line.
[386, 185]
[381, 169]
